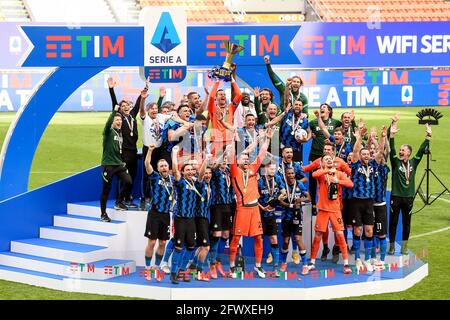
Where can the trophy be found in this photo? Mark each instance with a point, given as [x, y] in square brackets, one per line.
[224, 72]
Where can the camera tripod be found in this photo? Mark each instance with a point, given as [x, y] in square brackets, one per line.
[426, 176]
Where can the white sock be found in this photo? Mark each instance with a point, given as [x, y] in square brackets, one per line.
[345, 261]
[258, 265]
[231, 264]
[313, 261]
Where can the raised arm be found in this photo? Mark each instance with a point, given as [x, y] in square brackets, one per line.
[358, 145]
[212, 98]
[276, 81]
[204, 166]
[110, 120]
[162, 94]
[144, 95]
[379, 156]
[176, 172]
[322, 125]
[111, 85]
[148, 158]
[424, 144]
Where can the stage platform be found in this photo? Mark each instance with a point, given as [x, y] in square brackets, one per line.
[79, 253]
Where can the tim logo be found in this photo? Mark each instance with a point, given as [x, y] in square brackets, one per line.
[165, 37]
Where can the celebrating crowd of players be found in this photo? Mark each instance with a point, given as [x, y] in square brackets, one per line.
[216, 171]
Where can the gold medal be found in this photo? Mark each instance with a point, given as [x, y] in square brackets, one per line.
[407, 182]
[131, 133]
[170, 198]
[245, 190]
[202, 199]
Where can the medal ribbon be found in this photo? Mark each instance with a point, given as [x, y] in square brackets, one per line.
[290, 196]
[167, 188]
[407, 172]
[195, 189]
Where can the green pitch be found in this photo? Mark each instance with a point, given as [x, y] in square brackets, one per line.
[72, 143]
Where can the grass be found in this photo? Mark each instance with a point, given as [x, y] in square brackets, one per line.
[72, 143]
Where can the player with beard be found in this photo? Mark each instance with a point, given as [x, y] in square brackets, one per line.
[363, 177]
[219, 112]
[294, 92]
[247, 221]
[161, 189]
[245, 107]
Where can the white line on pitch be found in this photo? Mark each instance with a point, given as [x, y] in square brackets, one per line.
[440, 199]
[428, 233]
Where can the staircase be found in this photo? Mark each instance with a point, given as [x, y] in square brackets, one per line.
[77, 245]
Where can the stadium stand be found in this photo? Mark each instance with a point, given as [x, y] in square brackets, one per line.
[382, 10]
[199, 11]
[13, 10]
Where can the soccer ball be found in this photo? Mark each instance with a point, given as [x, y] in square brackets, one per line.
[301, 135]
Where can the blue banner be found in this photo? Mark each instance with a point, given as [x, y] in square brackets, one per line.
[85, 47]
[352, 88]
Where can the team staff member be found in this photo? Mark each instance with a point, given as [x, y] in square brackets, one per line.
[161, 186]
[248, 220]
[130, 137]
[329, 209]
[403, 185]
[112, 164]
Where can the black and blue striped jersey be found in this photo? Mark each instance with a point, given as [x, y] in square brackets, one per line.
[162, 192]
[298, 171]
[363, 178]
[381, 178]
[202, 207]
[221, 187]
[289, 124]
[186, 198]
[293, 195]
[269, 189]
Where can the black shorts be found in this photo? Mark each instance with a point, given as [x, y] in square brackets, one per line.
[347, 211]
[380, 226]
[290, 228]
[362, 212]
[221, 217]
[202, 232]
[184, 232]
[158, 225]
[269, 225]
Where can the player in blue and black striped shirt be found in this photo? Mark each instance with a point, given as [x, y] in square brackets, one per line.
[380, 210]
[293, 121]
[292, 220]
[183, 220]
[221, 210]
[158, 218]
[363, 177]
[202, 216]
[270, 187]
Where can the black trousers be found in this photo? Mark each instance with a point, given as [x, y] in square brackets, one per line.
[108, 172]
[405, 205]
[312, 181]
[130, 158]
[156, 156]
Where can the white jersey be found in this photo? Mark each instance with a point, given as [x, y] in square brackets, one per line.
[241, 112]
[150, 134]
